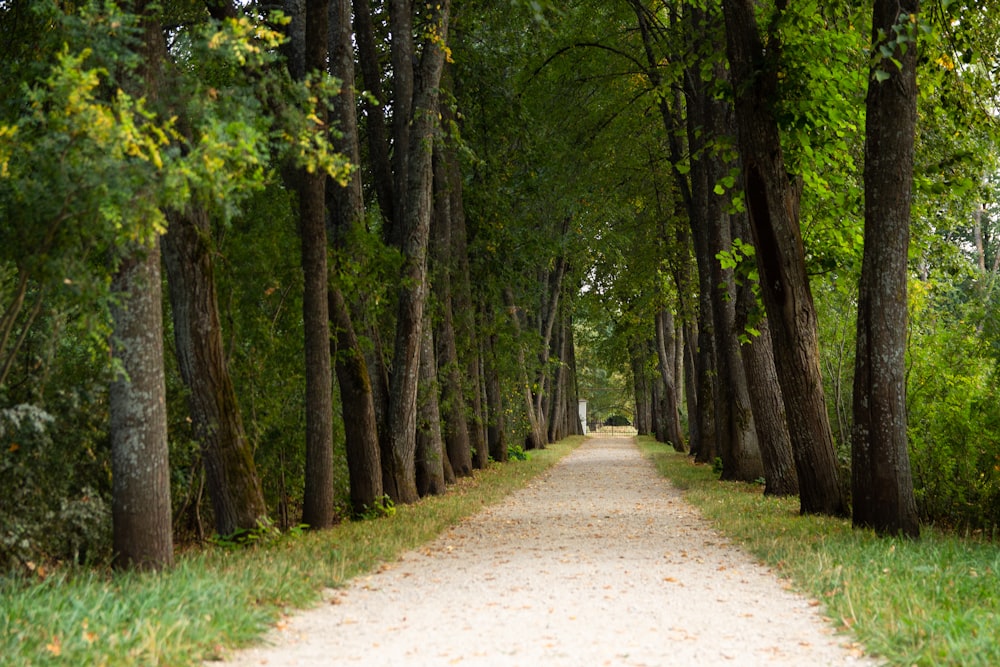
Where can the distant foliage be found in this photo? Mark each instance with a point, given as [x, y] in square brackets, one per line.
[954, 416]
[42, 514]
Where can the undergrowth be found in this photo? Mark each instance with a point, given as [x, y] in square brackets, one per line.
[932, 601]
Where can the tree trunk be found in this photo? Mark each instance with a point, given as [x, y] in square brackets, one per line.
[642, 390]
[772, 203]
[737, 437]
[414, 139]
[140, 469]
[691, 385]
[142, 531]
[346, 207]
[535, 439]
[762, 382]
[882, 485]
[430, 454]
[496, 435]
[364, 464]
[317, 509]
[560, 381]
[456, 425]
[664, 354]
[769, 416]
[233, 484]
[466, 332]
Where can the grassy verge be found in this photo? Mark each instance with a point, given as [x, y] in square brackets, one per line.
[216, 599]
[935, 601]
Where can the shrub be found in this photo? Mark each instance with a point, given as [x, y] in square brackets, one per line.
[43, 516]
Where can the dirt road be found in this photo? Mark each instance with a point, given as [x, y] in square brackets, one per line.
[598, 562]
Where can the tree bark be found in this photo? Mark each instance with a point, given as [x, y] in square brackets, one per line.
[140, 469]
[430, 454]
[535, 439]
[233, 484]
[765, 393]
[456, 425]
[496, 434]
[772, 203]
[142, 531]
[664, 353]
[466, 331]
[414, 139]
[364, 466]
[881, 483]
[642, 388]
[770, 420]
[557, 406]
[737, 437]
[346, 207]
[573, 425]
[317, 509]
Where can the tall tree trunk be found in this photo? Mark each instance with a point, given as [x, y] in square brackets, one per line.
[762, 382]
[557, 405]
[572, 392]
[414, 139]
[548, 317]
[317, 508]
[430, 455]
[466, 331]
[694, 193]
[233, 484]
[882, 484]
[456, 425]
[346, 206]
[772, 203]
[140, 469]
[496, 435]
[665, 356]
[691, 385]
[536, 436]
[735, 429]
[642, 390]
[142, 531]
[364, 466]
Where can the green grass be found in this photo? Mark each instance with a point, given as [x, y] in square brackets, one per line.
[935, 601]
[217, 599]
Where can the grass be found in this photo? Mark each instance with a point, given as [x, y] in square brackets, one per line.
[934, 601]
[216, 599]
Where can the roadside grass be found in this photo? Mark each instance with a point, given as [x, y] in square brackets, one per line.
[934, 601]
[216, 599]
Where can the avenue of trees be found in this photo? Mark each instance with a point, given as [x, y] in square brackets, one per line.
[265, 265]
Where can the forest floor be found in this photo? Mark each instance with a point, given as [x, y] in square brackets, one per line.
[599, 561]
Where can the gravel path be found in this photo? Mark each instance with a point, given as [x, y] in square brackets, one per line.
[597, 562]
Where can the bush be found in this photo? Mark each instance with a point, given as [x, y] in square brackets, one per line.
[42, 516]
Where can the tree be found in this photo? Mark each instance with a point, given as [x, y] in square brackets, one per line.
[881, 483]
[318, 510]
[347, 212]
[444, 275]
[237, 499]
[773, 206]
[415, 120]
[141, 511]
